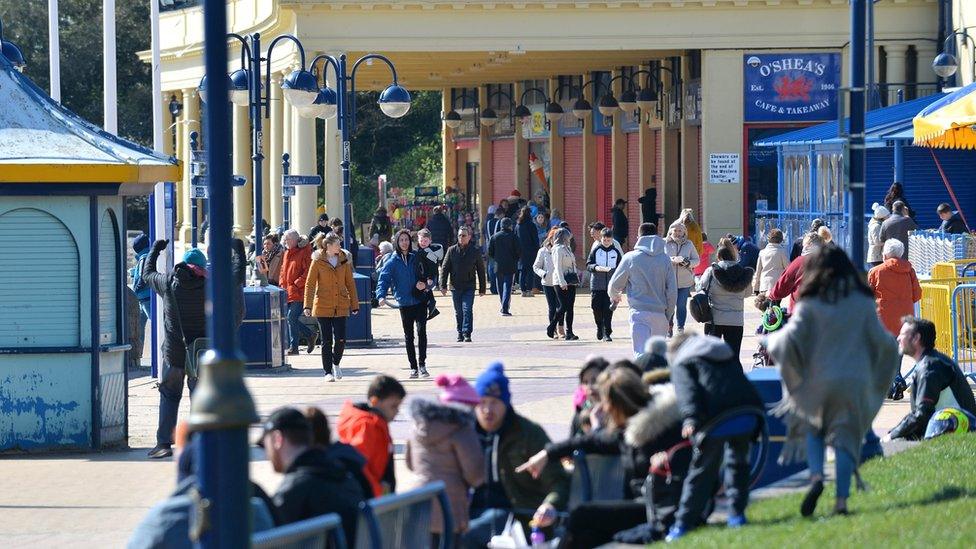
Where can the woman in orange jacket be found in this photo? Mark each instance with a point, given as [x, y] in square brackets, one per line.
[330, 296]
[895, 285]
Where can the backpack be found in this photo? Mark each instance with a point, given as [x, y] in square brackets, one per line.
[139, 286]
[699, 306]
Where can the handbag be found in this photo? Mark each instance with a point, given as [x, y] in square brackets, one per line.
[572, 278]
[191, 360]
[700, 307]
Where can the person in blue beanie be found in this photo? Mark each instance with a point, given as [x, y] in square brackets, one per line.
[508, 440]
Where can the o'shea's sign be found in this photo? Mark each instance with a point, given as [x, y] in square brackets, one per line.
[791, 87]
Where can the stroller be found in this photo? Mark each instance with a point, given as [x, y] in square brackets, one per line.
[774, 317]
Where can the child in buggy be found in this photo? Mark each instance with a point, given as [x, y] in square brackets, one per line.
[774, 317]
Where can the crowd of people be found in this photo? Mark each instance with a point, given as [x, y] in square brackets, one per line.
[653, 411]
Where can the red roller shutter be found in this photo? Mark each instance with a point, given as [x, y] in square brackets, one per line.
[573, 187]
[502, 168]
[658, 169]
[701, 198]
[634, 190]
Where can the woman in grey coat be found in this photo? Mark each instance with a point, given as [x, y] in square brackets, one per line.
[684, 257]
[565, 278]
[728, 283]
[837, 362]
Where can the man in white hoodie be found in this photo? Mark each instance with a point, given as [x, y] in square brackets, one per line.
[648, 276]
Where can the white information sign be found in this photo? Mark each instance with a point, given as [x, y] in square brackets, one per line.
[723, 168]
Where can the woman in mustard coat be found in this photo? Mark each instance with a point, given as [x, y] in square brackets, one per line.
[330, 296]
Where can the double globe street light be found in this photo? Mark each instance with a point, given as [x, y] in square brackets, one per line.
[300, 88]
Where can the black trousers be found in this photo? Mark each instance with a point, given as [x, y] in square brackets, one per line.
[565, 299]
[332, 327]
[731, 334]
[552, 301]
[703, 478]
[602, 314]
[410, 316]
[593, 524]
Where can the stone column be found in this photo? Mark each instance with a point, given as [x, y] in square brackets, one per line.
[243, 196]
[647, 139]
[189, 122]
[332, 176]
[590, 210]
[287, 115]
[925, 53]
[485, 182]
[275, 149]
[449, 152]
[303, 162]
[521, 160]
[895, 54]
[688, 155]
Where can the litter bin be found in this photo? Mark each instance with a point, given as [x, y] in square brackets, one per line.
[359, 331]
[769, 385]
[263, 337]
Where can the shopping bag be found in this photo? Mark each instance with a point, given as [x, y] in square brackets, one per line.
[511, 537]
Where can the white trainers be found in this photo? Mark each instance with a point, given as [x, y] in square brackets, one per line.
[329, 378]
[338, 371]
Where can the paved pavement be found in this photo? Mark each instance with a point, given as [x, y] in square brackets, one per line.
[95, 500]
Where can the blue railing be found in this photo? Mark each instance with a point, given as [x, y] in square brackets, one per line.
[963, 315]
[795, 224]
[315, 532]
[403, 520]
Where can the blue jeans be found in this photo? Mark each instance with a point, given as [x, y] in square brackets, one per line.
[464, 310]
[843, 464]
[483, 526]
[296, 330]
[505, 282]
[492, 277]
[526, 274]
[683, 295]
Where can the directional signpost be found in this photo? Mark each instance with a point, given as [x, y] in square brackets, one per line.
[300, 180]
[288, 184]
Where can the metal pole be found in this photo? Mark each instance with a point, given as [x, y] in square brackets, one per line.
[157, 201]
[257, 155]
[110, 91]
[345, 120]
[194, 201]
[899, 150]
[874, 91]
[855, 175]
[285, 199]
[54, 49]
[222, 408]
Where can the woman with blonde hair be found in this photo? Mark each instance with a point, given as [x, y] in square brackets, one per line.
[330, 296]
[687, 218]
[684, 257]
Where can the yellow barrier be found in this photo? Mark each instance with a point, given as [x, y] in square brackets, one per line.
[936, 303]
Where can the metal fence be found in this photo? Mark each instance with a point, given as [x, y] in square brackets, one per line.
[963, 316]
[796, 224]
[313, 533]
[926, 248]
[403, 520]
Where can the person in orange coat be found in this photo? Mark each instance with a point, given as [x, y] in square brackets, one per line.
[330, 297]
[294, 271]
[366, 427]
[895, 286]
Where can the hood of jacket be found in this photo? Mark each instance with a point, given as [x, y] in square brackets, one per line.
[354, 414]
[660, 415]
[319, 255]
[733, 276]
[708, 348]
[187, 278]
[318, 462]
[775, 246]
[898, 265]
[650, 245]
[435, 421]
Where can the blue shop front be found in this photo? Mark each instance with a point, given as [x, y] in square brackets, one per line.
[811, 173]
[63, 340]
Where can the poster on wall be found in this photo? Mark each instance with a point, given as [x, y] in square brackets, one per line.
[791, 87]
[723, 168]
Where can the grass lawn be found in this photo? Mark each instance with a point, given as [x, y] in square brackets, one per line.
[922, 497]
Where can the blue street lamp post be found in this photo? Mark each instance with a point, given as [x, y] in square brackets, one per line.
[394, 101]
[286, 198]
[194, 200]
[855, 140]
[222, 408]
[248, 90]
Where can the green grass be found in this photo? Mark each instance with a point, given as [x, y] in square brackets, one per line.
[922, 497]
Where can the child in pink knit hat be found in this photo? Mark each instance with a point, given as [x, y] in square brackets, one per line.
[455, 389]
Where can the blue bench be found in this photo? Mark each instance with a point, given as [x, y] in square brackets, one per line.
[595, 478]
[744, 420]
[403, 520]
[313, 533]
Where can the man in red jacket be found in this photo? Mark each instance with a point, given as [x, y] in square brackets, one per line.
[792, 278]
[294, 270]
[366, 427]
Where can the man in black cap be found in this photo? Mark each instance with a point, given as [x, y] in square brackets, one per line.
[322, 227]
[316, 480]
[621, 228]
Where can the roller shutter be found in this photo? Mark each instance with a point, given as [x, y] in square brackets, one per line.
[108, 281]
[39, 281]
[634, 188]
[573, 187]
[604, 178]
[502, 168]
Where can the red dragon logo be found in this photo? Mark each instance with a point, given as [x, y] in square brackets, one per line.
[793, 89]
